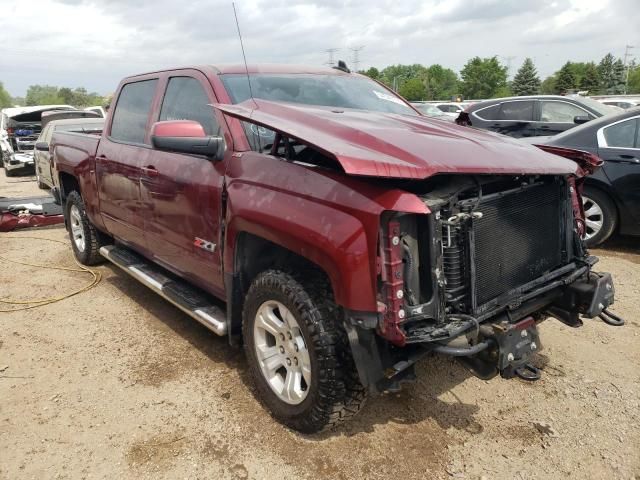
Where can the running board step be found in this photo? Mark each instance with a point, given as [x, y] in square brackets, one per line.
[187, 298]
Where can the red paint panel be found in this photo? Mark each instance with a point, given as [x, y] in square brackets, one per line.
[328, 218]
[399, 146]
[177, 128]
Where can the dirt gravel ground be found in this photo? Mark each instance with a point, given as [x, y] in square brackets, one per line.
[117, 383]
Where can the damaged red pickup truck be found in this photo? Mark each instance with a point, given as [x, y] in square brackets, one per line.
[313, 215]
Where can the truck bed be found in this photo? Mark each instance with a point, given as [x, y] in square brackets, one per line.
[72, 143]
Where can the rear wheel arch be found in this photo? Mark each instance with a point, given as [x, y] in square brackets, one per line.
[68, 184]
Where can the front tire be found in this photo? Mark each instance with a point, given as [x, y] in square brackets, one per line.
[600, 216]
[86, 240]
[297, 352]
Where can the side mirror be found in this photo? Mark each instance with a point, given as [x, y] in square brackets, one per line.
[186, 136]
[42, 146]
[580, 119]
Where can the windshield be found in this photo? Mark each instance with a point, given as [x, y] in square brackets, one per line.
[342, 91]
[599, 107]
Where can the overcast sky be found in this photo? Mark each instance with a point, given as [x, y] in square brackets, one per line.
[95, 43]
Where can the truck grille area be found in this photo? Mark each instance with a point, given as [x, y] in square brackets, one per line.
[518, 239]
[515, 236]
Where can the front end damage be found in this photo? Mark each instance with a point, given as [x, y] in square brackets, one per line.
[496, 256]
[499, 251]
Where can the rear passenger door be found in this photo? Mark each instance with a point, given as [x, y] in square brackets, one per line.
[556, 116]
[619, 147]
[515, 118]
[121, 152]
[181, 193]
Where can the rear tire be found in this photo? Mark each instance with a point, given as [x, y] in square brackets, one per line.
[601, 216]
[86, 240]
[304, 312]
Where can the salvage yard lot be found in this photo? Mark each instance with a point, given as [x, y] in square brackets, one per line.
[117, 383]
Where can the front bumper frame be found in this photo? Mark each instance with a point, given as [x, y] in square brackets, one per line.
[566, 294]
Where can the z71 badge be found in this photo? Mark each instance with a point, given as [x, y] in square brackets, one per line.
[205, 245]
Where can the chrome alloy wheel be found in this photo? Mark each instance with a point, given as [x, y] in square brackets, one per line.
[77, 231]
[593, 217]
[282, 353]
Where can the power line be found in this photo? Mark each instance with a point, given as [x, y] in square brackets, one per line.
[331, 52]
[508, 59]
[356, 57]
[627, 55]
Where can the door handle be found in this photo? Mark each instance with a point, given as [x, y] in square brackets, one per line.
[150, 171]
[629, 158]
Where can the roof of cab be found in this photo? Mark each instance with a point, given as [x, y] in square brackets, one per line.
[240, 68]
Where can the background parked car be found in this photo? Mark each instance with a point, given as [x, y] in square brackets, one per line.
[451, 108]
[532, 116]
[5, 146]
[430, 110]
[97, 109]
[87, 123]
[623, 103]
[612, 195]
[22, 125]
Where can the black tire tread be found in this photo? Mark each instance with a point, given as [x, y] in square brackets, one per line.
[94, 239]
[340, 394]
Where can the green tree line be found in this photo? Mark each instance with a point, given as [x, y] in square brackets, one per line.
[487, 78]
[479, 78]
[50, 95]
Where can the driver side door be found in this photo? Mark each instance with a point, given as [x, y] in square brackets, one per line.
[181, 193]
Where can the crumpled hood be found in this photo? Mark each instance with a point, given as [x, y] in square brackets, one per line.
[398, 146]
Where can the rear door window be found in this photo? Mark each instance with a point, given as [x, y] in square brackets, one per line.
[186, 99]
[488, 113]
[623, 134]
[131, 113]
[519, 110]
[560, 112]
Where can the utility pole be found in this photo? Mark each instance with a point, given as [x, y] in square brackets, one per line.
[508, 59]
[356, 57]
[331, 51]
[627, 56]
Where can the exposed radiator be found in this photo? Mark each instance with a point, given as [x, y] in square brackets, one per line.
[518, 238]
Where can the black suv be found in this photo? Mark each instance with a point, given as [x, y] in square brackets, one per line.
[533, 116]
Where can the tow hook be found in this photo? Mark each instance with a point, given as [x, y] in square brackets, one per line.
[611, 318]
[601, 292]
[516, 343]
[528, 372]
